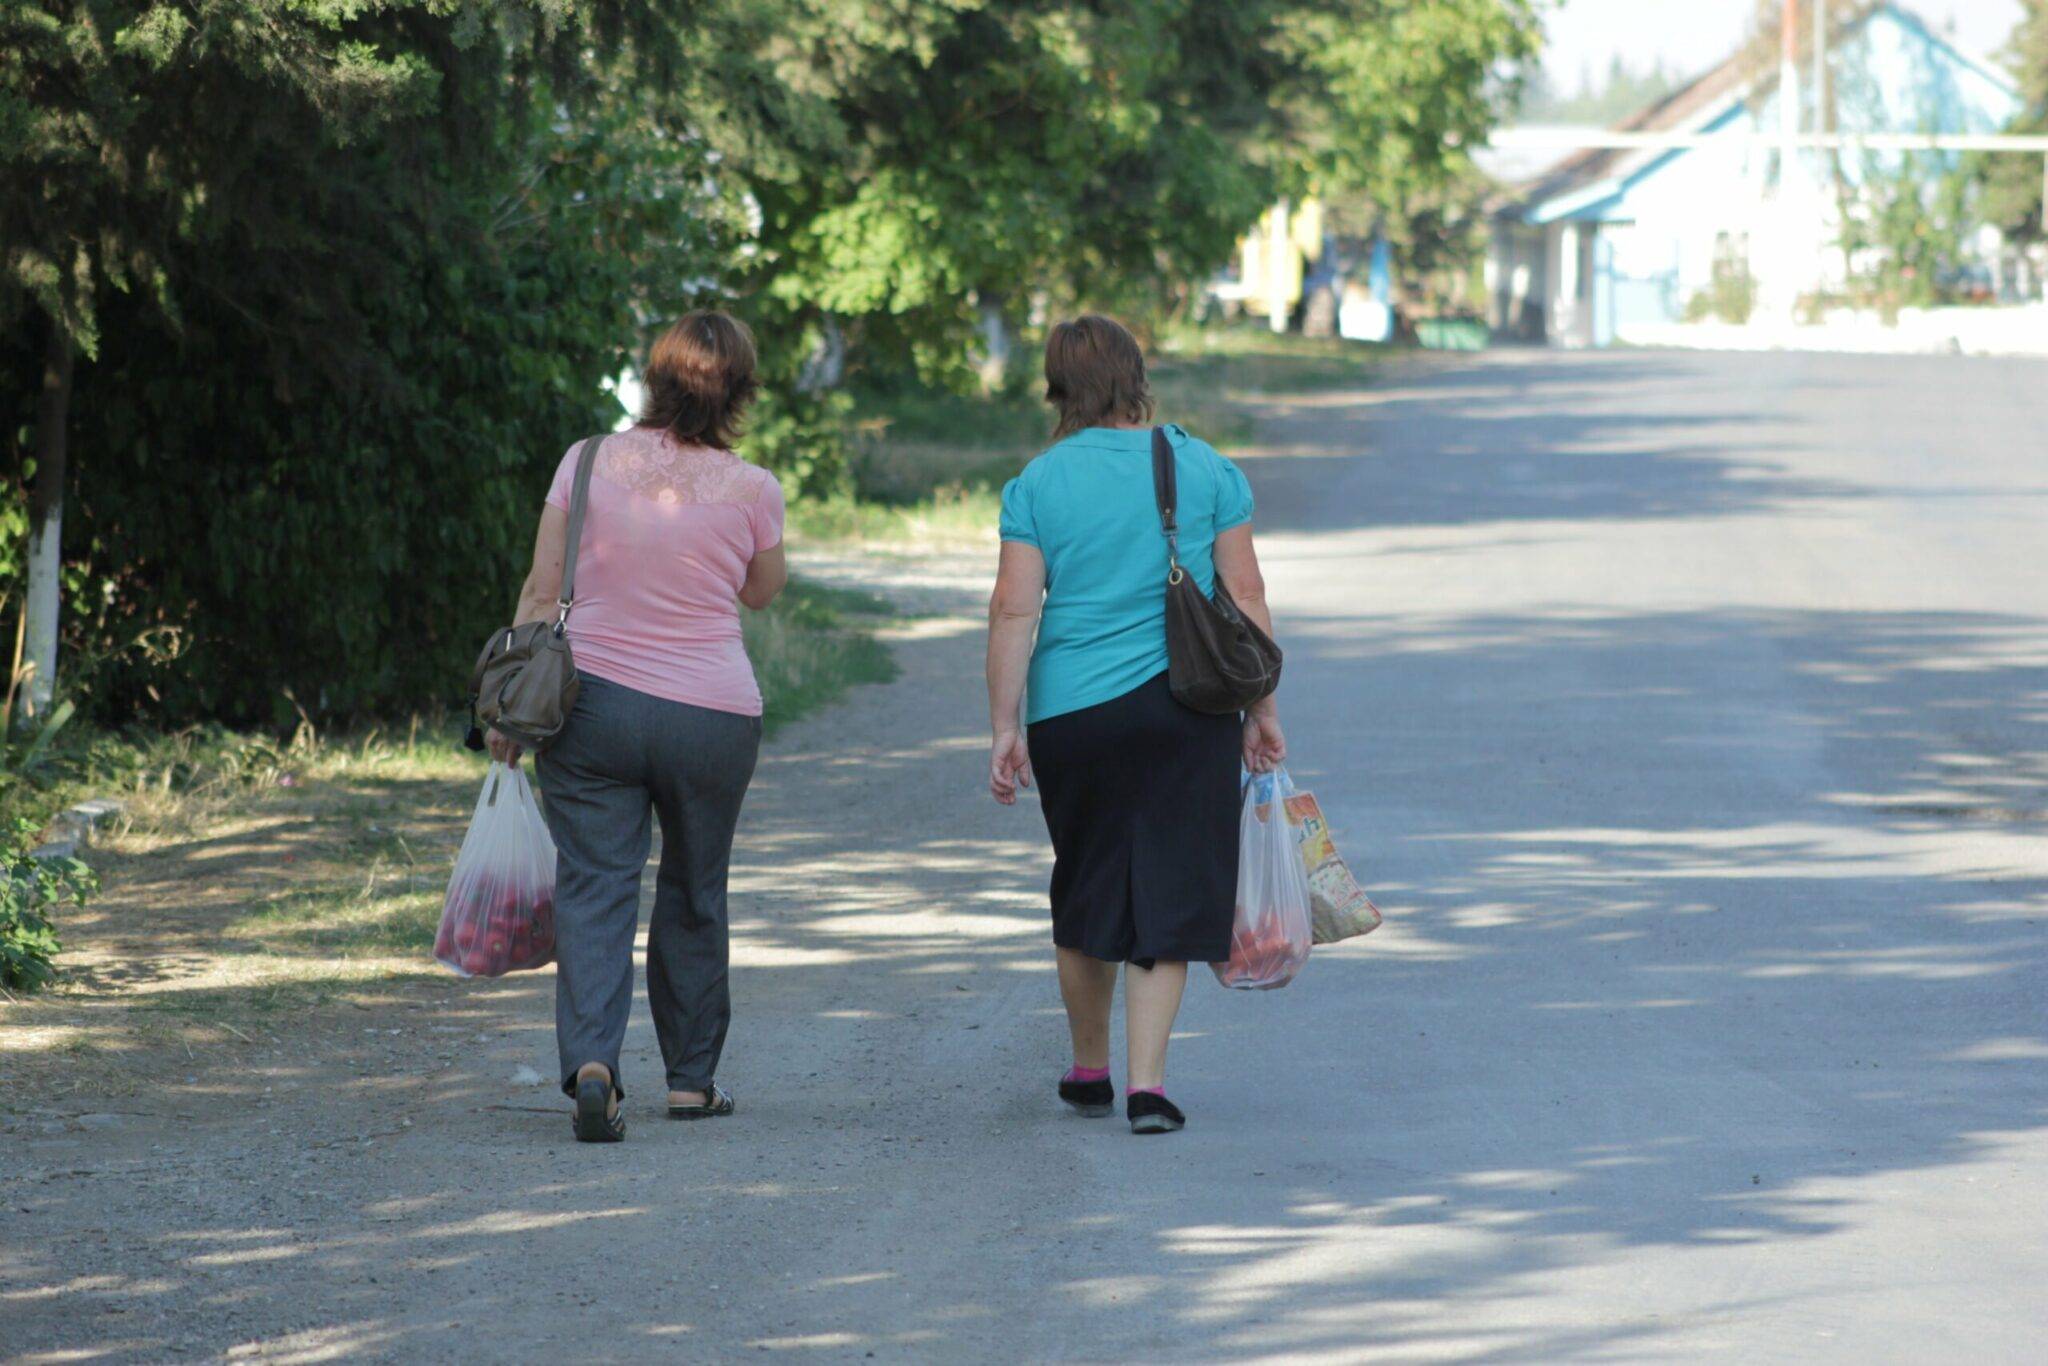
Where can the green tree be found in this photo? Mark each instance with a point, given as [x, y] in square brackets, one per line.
[1386, 97]
[1384, 101]
[993, 152]
[100, 176]
[1905, 223]
[296, 275]
[2012, 184]
[324, 288]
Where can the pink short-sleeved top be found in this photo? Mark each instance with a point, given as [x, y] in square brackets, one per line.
[666, 542]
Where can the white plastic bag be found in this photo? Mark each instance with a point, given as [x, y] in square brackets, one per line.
[1270, 937]
[499, 915]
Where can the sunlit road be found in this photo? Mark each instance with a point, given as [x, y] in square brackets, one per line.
[1692, 714]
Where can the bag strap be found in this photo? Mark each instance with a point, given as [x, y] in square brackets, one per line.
[579, 503]
[1165, 492]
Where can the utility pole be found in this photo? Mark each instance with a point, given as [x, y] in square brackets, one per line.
[1783, 291]
[1819, 80]
[1788, 84]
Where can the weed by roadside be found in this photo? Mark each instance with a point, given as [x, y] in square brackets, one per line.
[929, 467]
[811, 646]
[1220, 367]
[31, 890]
[256, 886]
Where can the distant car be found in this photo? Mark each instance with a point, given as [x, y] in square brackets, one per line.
[1969, 282]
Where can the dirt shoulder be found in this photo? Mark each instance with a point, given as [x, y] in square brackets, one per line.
[259, 1121]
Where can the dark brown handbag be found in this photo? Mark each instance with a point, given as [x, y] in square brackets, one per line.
[525, 681]
[1217, 661]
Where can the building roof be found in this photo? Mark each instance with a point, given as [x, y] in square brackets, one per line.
[1744, 74]
[1692, 105]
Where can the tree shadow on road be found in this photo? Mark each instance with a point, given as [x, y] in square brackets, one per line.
[1687, 995]
[1683, 960]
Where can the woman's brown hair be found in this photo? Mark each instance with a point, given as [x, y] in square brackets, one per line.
[700, 378]
[1095, 375]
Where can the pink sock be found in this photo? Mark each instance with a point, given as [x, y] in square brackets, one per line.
[1159, 1091]
[1086, 1074]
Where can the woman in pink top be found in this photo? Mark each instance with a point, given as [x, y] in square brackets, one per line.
[679, 532]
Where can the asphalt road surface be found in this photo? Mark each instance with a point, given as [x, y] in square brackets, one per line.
[1687, 714]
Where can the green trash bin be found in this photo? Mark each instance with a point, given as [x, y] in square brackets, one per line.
[1451, 334]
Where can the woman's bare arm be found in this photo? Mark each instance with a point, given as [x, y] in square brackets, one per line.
[1237, 565]
[1237, 569]
[1013, 610]
[539, 598]
[767, 572]
[542, 591]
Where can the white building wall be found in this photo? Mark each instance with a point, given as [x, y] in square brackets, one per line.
[1663, 233]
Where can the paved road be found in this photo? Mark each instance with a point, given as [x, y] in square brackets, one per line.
[1694, 712]
[1690, 716]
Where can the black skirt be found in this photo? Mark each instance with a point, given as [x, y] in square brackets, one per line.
[1141, 798]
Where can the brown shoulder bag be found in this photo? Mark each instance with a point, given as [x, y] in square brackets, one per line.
[525, 680]
[1217, 661]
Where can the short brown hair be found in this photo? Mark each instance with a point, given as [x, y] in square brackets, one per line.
[1095, 374]
[700, 378]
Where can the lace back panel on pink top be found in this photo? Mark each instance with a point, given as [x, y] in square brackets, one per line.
[666, 544]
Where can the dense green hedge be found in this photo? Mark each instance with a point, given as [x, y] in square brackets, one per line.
[350, 548]
[266, 515]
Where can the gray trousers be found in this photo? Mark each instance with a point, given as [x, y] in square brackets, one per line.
[623, 754]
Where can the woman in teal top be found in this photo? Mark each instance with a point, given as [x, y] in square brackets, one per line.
[1087, 506]
[1140, 794]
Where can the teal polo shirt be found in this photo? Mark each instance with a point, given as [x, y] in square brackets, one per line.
[1087, 505]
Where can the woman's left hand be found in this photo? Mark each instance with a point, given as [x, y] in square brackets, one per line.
[1009, 766]
[504, 750]
[1265, 748]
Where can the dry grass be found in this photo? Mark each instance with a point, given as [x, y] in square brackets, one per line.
[256, 889]
[930, 466]
[247, 899]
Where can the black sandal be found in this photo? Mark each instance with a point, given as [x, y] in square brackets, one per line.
[1150, 1114]
[597, 1118]
[717, 1103]
[1094, 1099]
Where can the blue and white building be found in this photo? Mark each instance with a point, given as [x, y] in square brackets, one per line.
[1610, 246]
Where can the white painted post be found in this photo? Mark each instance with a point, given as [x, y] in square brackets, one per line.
[1280, 266]
[1819, 77]
[1784, 290]
[39, 631]
[44, 601]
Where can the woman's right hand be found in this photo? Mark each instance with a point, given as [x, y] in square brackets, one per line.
[1009, 766]
[503, 748]
[1265, 748]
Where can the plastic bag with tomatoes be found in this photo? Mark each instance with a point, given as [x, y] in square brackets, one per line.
[1270, 938]
[499, 915]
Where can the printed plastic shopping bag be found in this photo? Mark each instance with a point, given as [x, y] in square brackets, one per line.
[1269, 940]
[499, 915]
[1338, 906]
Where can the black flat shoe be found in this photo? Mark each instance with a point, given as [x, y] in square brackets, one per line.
[597, 1120]
[1150, 1114]
[717, 1103]
[1091, 1098]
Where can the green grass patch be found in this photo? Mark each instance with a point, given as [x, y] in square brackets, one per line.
[930, 466]
[813, 644]
[313, 984]
[350, 921]
[386, 900]
[808, 647]
[954, 515]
